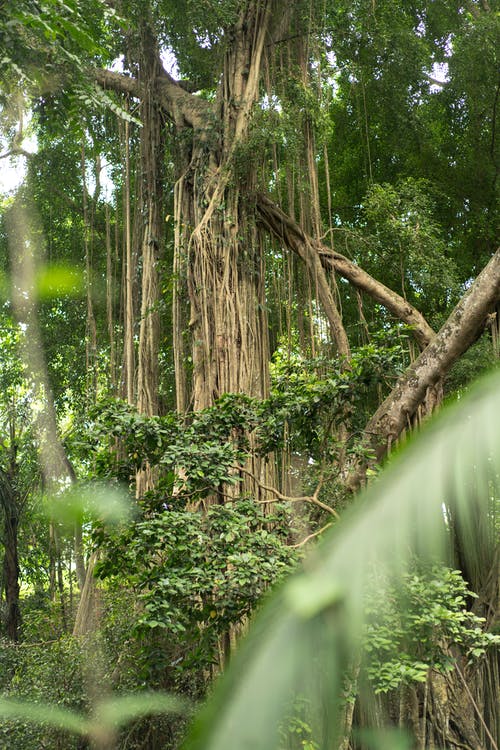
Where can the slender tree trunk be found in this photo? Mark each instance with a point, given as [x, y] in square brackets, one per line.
[310, 210]
[152, 171]
[128, 323]
[79, 556]
[11, 570]
[60, 582]
[152, 156]
[109, 303]
[90, 329]
[52, 561]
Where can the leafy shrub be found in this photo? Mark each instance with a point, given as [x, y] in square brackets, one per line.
[421, 623]
[195, 576]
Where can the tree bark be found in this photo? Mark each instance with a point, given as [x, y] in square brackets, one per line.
[11, 576]
[151, 157]
[10, 560]
[223, 262]
[461, 330]
[80, 569]
[128, 363]
[88, 614]
[152, 167]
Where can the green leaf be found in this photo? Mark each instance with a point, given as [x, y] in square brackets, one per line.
[116, 712]
[61, 718]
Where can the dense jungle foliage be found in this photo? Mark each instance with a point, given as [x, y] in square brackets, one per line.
[248, 250]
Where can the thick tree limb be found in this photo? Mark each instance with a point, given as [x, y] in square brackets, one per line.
[183, 108]
[291, 234]
[460, 331]
[118, 82]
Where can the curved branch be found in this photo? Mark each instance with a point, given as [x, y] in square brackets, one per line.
[285, 229]
[311, 536]
[16, 152]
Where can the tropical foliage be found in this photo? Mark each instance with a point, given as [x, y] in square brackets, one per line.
[252, 251]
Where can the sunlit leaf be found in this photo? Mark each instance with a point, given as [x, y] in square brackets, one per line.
[96, 501]
[60, 280]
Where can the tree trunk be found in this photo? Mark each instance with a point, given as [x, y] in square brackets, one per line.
[10, 502]
[109, 304]
[87, 616]
[60, 583]
[11, 569]
[219, 251]
[128, 364]
[151, 158]
[223, 262]
[152, 161]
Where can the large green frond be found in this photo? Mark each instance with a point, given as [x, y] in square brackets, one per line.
[308, 635]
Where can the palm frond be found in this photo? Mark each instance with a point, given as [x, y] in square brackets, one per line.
[308, 634]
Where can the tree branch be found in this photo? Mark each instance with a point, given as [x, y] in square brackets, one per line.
[286, 230]
[183, 108]
[436, 81]
[122, 84]
[461, 330]
[311, 536]
[314, 499]
[16, 152]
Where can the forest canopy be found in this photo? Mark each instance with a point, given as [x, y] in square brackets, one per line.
[253, 251]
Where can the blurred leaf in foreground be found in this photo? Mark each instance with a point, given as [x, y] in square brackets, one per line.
[58, 280]
[108, 716]
[99, 502]
[309, 635]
